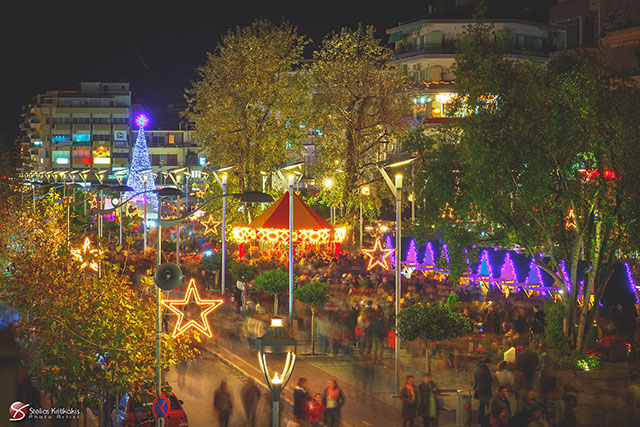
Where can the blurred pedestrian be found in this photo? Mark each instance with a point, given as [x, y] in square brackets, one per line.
[222, 404]
[301, 399]
[250, 398]
[428, 401]
[333, 401]
[409, 402]
[537, 325]
[500, 408]
[317, 411]
[482, 387]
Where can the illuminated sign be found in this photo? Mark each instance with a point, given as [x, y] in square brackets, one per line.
[281, 235]
[192, 297]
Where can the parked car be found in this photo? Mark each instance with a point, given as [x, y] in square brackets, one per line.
[135, 409]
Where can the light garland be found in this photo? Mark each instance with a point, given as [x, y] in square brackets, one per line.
[206, 307]
[210, 225]
[281, 235]
[378, 256]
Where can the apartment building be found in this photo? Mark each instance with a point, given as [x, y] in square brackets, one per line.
[613, 25]
[425, 52]
[88, 128]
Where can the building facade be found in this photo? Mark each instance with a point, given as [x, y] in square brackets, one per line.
[88, 128]
[425, 52]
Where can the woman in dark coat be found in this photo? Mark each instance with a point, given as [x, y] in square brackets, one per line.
[409, 402]
[333, 400]
[427, 401]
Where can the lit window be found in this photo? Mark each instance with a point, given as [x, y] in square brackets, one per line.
[172, 139]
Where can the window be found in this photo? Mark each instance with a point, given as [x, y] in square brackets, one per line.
[159, 140]
[100, 121]
[101, 137]
[60, 138]
[61, 157]
[81, 120]
[172, 139]
[81, 137]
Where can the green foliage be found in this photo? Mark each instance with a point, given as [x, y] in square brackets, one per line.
[509, 173]
[360, 105]
[272, 282]
[431, 322]
[211, 263]
[314, 294]
[563, 356]
[243, 272]
[249, 100]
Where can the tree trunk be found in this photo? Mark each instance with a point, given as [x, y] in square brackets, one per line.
[588, 290]
[313, 332]
[275, 304]
[427, 354]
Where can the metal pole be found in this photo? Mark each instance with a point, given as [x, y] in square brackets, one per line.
[178, 244]
[144, 224]
[398, 276]
[224, 230]
[120, 217]
[158, 297]
[64, 197]
[33, 187]
[84, 202]
[360, 225]
[187, 194]
[291, 178]
[276, 414]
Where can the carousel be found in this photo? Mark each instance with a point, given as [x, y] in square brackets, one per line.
[270, 230]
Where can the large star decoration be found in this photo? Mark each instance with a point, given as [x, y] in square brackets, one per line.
[378, 255]
[210, 225]
[86, 255]
[206, 307]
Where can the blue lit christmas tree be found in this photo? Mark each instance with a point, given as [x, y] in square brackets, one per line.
[140, 176]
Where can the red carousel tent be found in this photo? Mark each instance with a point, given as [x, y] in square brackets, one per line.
[273, 225]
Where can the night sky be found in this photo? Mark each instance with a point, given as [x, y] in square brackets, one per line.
[51, 45]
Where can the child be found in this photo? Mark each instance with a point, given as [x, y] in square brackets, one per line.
[316, 411]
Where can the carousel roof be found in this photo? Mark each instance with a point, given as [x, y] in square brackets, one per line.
[277, 216]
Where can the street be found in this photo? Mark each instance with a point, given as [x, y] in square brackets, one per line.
[195, 383]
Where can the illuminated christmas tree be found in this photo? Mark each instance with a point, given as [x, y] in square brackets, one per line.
[140, 175]
[412, 253]
[388, 243]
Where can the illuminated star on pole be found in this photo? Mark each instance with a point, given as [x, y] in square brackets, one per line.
[85, 255]
[206, 307]
[378, 256]
[211, 225]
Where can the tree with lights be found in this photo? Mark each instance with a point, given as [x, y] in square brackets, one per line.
[140, 175]
[361, 103]
[249, 104]
[86, 335]
[545, 143]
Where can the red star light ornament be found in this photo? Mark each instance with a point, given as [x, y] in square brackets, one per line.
[206, 307]
[378, 255]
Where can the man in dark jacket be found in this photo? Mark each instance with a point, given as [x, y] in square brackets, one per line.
[427, 401]
[482, 387]
[301, 398]
[250, 398]
[537, 325]
[500, 407]
[223, 404]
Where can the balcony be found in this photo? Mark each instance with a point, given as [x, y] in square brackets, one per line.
[447, 47]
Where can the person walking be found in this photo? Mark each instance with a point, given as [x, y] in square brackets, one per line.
[482, 387]
[538, 325]
[427, 401]
[316, 411]
[409, 402]
[250, 398]
[301, 398]
[222, 404]
[333, 400]
[500, 408]
[505, 377]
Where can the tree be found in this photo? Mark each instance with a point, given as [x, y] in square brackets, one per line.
[430, 323]
[249, 100]
[243, 272]
[315, 295]
[86, 335]
[547, 160]
[361, 105]
[273, 282]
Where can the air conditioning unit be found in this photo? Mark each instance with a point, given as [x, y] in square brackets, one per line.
[416, 67]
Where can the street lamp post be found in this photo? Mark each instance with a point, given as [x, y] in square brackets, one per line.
[276, 341]
[222, 182]
[396, 189]
[364, 191]
[291, 182]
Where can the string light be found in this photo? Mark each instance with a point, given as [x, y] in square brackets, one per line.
[378, 255]
[206, 307]
[210, 225]
[85, 255]
[281, 235]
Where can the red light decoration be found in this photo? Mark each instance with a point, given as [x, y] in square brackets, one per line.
[592, 173]
[206, 307]
[378, 256]
[281, 235]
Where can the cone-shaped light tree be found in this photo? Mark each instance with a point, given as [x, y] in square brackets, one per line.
[140, 175]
